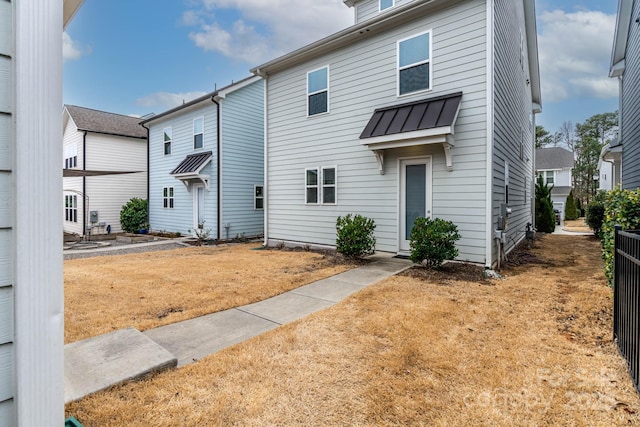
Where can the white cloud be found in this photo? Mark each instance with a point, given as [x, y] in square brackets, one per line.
[575, 49]
[265, 29]
[71, 49]
[165, 100]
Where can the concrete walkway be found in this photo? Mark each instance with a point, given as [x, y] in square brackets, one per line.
[96, 363]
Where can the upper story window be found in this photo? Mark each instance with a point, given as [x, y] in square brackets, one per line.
[414, 63]
[318, 91]
[548, 177]
[198, 132]
[167, 140]
[71, 162]
[386, 4]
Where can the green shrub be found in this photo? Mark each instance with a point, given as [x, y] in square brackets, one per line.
[621, 207]
[355, 237]
[545, 217]
[133, 215]
[433, 241]
[595, 212]
[570, 209]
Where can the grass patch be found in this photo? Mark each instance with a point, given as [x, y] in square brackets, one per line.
[147, 290]
[534, 349]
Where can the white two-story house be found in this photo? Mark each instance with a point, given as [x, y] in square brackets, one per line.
[555, 165]
[104, 158]
[206, 164]
[421, 108]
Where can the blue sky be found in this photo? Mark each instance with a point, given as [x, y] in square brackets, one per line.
[141, 56]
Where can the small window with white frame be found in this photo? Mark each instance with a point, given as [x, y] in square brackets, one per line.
[198, 133]
[321, 186]
[167, 197]
[414, 64]
[318, 91]
[71, 208]
[386, 4]
[167, 140]
[258, 197]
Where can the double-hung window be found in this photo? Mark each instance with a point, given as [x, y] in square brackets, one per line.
[71, 208]
[167, 140]
[414, 63]
[320, 186]
[258, 197]
[318, 91]
[71, 162]
[198, 133]
[386, 4]
[167, 197]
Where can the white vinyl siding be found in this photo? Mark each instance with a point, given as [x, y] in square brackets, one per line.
[363, 78]
[242, 159]
[368, 9]
[180, 218]
[107, 194]
[72, 145]
[7, 188]
[512, 124]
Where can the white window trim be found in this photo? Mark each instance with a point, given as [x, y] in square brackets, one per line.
[255, 197]
[429, 61]
[320, 185]
[170, 197]
[328, 90]
[194, 133]
[72, 209]
[307, 186]
[335, 184]
[380, 9]
[164, 143]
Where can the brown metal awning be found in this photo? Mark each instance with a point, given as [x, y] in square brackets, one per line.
[429, 121]
[189, 169]
[75, 173]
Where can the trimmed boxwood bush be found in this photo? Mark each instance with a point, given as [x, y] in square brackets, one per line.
[433, 241]
[133, 215]
[355, 237]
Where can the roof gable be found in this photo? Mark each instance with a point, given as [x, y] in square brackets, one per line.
[103, 122]
[619, 50]
[553, 158]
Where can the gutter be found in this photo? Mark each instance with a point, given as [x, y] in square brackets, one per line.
[148, 172]
[218, 165]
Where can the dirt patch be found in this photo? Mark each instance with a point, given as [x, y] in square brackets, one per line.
[535, 349]
[577, 225]
[449, 273]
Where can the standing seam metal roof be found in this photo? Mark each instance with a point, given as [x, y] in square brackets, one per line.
[192, 163]
[429, 113]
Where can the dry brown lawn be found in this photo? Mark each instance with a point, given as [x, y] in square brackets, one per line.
[146, 290]
[577, 225]
[430, 349]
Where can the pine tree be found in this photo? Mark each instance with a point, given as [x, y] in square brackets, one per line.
[570, 210]
[545, 217]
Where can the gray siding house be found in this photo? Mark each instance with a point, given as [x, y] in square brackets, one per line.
[206, 163]
[418, 109]
[31, 287]
[625, 65]
[555, 165]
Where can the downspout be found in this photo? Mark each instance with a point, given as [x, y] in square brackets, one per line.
[489, 124]
[148, 172]
[219, 163]
[84, 185]
[265, 184]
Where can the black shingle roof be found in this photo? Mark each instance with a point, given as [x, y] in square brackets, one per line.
[420, 115]
[107, 123]
[192, 163]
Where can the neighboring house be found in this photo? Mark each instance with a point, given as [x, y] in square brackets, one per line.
[100, 150]
[609, 165]
[206, 164]
[419, 109]
[625, 65]
[555, 165]
[31, 286]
